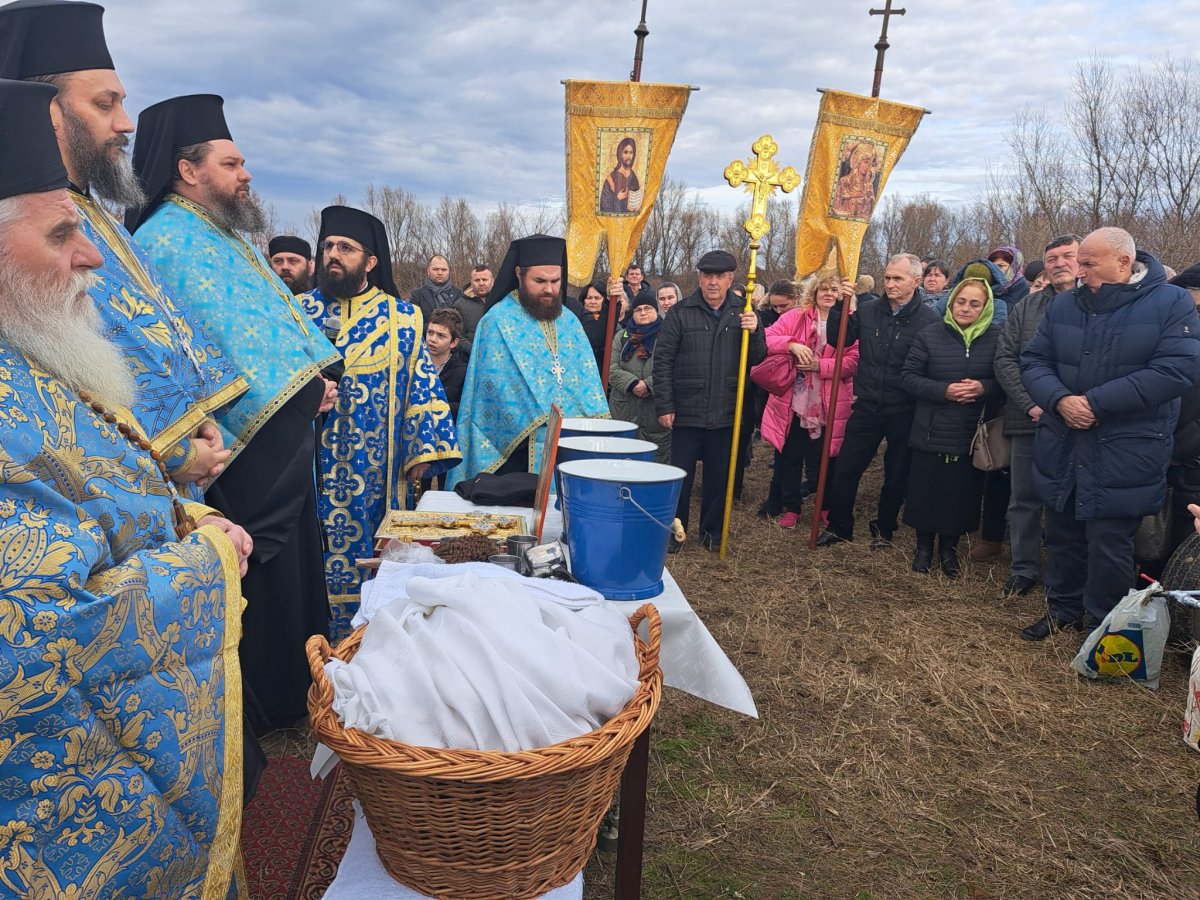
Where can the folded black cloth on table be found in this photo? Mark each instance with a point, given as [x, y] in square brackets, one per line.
[513, 489]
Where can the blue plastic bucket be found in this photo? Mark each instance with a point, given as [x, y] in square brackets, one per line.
[599, 447]
[618, 514]
[598, 428]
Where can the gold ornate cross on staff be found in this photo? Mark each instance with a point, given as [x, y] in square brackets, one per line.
[763, 175]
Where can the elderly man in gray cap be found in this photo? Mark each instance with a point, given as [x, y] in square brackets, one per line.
[695, 385]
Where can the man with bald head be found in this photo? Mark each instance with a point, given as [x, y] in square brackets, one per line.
[1109, 361]
[438, 290]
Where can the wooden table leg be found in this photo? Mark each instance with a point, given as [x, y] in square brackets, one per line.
[632, 829]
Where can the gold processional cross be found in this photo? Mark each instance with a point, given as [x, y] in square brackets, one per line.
[763, 175]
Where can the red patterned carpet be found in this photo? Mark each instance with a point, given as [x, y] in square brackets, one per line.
[295, 832]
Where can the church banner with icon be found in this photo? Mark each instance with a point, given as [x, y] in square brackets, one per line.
[857, 142]
[619, 134]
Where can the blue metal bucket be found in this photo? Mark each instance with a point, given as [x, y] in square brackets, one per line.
[618, 514]
[598, 428]
[598, 447]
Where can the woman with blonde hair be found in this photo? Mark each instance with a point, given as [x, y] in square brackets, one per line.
[794, 423]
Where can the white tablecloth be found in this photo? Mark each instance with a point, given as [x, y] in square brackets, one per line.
[361, 876]
[691, 659]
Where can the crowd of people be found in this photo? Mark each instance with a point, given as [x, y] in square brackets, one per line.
[198, 442]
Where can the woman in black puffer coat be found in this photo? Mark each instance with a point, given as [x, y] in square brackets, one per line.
[949, 371]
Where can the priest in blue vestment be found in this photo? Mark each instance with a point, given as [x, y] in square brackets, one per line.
[526, 356]
[199, 203]
[181, 373]
[391, 423]
[121, 737]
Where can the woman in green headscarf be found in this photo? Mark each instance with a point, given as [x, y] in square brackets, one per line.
[949, 371]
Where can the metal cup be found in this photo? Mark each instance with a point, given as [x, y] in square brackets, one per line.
[519, 546]
[507, 560]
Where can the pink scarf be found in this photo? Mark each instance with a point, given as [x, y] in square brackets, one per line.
[807, 401]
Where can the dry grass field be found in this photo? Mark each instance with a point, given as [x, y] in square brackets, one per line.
[910, 744]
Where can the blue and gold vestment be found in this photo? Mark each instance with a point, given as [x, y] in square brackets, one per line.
[512, 379]
[181, 374]
[246, 308]
[120, 691]
[391, 414]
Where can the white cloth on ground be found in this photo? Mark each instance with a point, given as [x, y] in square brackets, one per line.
[486, 664]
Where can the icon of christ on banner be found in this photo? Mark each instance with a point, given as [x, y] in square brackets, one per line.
[857, 179]
[619, 189]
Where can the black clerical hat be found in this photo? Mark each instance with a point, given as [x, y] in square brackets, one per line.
[29, 159]
[50, 37]
[346, 221]
[289, 243]
[535, 250]
[164, 128]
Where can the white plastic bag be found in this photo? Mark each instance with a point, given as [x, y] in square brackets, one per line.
[1191, 719]
[1129, 642]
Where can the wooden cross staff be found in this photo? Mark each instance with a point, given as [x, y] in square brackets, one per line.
[763, 174]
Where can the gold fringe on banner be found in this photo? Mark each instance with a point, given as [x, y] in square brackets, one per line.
[857, 142]
[619, 134]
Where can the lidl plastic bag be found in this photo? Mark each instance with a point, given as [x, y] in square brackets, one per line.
[1129, 642]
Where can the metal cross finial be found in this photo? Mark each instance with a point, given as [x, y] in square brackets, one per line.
[765, 175]
[881, 47]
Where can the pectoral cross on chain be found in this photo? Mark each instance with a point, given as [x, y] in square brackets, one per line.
[557, 370]
[765, 175]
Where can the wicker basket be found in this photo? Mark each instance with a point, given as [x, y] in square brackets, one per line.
[484, 825]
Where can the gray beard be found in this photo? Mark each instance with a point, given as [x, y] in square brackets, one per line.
[60, 331]
[112, 178]
[238, 215]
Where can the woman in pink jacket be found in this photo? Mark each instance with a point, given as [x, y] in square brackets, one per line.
[794, 424]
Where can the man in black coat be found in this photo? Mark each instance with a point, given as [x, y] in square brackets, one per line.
[885, 330]
[437, 290]
[695, 385]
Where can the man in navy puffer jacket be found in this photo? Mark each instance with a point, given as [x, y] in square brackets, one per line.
[1107, 365]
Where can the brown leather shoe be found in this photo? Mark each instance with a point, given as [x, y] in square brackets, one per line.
[985, 550]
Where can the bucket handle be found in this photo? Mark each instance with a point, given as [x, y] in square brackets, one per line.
[626, 494]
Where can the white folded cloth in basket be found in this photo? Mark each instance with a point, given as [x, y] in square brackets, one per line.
[486, 664]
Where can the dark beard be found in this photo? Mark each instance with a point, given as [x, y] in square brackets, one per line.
[302, 283]
[342, 286]
[112, 178]
[537, 310]
[238, 215]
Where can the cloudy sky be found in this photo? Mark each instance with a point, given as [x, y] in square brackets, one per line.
[463, 97]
